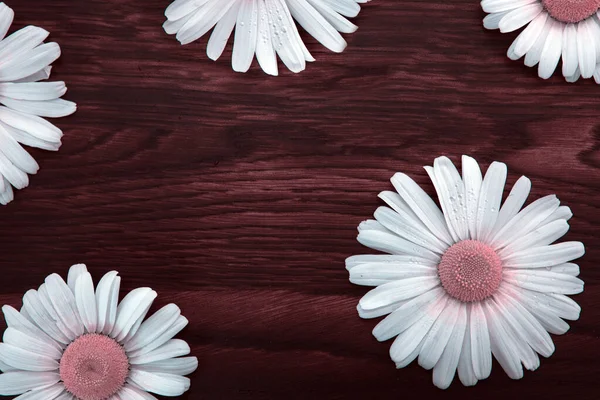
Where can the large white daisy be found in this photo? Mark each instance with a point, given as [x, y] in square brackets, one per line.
[475, 279]
[567, 29]
[71, 343]
[25, 100]
[263, 27]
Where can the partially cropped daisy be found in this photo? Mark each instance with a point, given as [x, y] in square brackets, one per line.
[71, 343]
[25, 61]
[556, 29]
[474, 279]
[264, 28]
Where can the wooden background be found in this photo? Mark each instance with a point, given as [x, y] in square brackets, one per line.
[238, 195]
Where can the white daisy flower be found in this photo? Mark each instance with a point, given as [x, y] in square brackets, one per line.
[567, 29]
[69, 343]
[263, 27]
[25, 100]
[472, 280]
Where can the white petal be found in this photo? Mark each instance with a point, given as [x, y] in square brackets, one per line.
[354, 261]
[160, 383]
[563, 212]
[40, 75]
[49, 108]
[541, 236]
[533, 55]
[569, 50]
[26, 360]
[404, 226]
[180, 8]
[494, 6]
[31, 343]
[153, 327]
[545, 256]
[222, 32]
[516, 337]
[5, 368]
[528, 37]
[17, 382]
[403, 348]
[177, 366]
[452, 195]
[30, 140]
[573, 78]
[513, 203]
[348, 8]
[33, 91]
[336, 20]
[30, 62]
[130, 392]
[525, 221]
[466, 373]
[13, 151]
[530, 328]
[379, 311]
[567, 268]
[173, 348]
[33, 125]
[586, 47]
[519, 17]
[472, 181]
[14, 175]
[438, 336]
[551, 51]
[19, 43]
[180, 323]
[422, 205]
[316, 25]
[492, 20]
[396, 203]
[86, 301]
[6, 19]
[134, 306]
[74, 272]
[376, 274]
[398, 290]
[406, 315]
[501, 342]
[480, 342]
[63, 301]
[172, 26]
[107, 298]
[48, 393]
[37, 312]
[445, 369]
[490, 197]
[244, 43]
[265, 53]
[393, 244]
[203, 20]
[544, 307]
[16, 320]
[287, 43]
[540, 280]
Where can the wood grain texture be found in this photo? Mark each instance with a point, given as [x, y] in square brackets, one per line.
[237, 196]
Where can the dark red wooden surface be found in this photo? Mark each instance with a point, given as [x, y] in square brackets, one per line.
[237, 195]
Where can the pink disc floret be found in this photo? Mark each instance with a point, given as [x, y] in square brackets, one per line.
[571, 11]
[470, 271]
[94, 367]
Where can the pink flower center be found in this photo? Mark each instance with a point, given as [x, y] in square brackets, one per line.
[571, 11]
[470, 271]
[94, 367]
